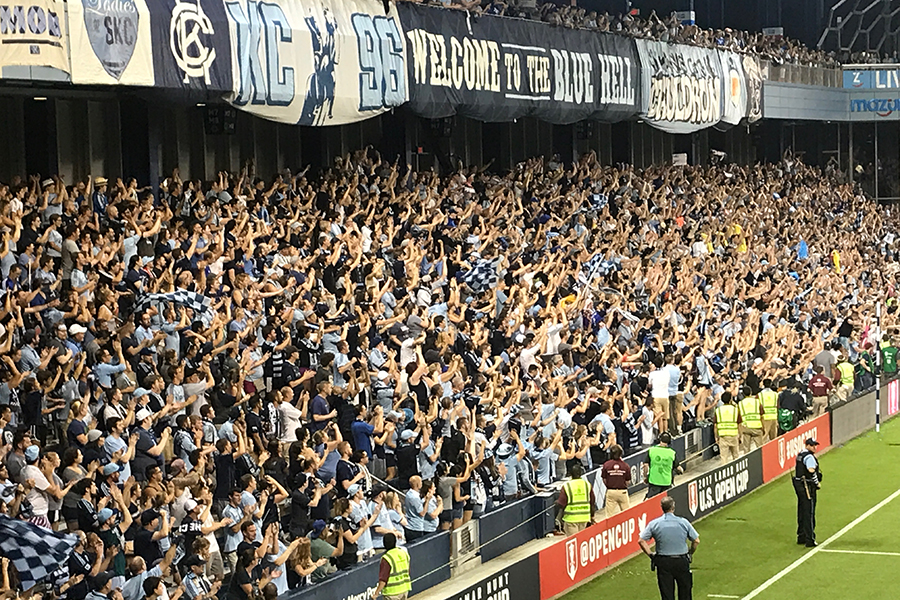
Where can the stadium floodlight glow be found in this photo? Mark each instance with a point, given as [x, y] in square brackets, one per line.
[40, 98]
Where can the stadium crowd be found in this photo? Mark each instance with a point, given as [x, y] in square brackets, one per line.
[240, 386]
[778, 49]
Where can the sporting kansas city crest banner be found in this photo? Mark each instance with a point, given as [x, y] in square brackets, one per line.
[110, 41]
[317, 62]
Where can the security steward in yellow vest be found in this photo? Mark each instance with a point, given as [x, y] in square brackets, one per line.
[768, 399]
[576, 502]
[393, 573]
[845, 378]
[752, 434]
[727, 433]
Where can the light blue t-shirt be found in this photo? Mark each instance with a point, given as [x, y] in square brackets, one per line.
[414, 504]
[671, 534]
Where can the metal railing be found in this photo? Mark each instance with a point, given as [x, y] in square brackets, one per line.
[801, 74]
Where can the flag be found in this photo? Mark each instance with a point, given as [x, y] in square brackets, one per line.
[34, 551]
[199, 303]
[482, 276]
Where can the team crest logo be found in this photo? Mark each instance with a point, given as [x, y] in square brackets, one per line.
[642, 522]
[693, 499]
[189, 29]
[572, 558]
[781, 452]
[112, 29]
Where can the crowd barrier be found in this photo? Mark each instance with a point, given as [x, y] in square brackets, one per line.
[429, 566]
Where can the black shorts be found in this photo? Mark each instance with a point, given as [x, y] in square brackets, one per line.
[390, 459]
[447, 516]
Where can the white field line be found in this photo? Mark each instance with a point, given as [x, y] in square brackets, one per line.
[821, 546]
[862, 552]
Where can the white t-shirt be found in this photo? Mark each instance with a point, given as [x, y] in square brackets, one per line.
[293, 418]
[659, 383]
[647, 426]
[407, 351]
[37, 496]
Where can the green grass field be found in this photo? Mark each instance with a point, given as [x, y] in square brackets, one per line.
[745, 545]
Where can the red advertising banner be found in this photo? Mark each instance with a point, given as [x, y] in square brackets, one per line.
[574, 559]
[779, 454]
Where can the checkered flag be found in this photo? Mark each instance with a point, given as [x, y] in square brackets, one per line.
[199, 303]
[34, 551]
[482, 276]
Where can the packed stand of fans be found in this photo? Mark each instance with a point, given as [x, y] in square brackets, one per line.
[778, 49]
[242, 385]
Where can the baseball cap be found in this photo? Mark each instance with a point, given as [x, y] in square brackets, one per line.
[353, 489]
[190, 504]
[111, 468]
[104, 515]
[811, 442]
[32, 452]
[408, 434]
[102, 579]
[94, 434]
[148, 516]
[176, 466]
[382, 375]
[75, 329]
[142, 414]
[193, 561]
[319, 526]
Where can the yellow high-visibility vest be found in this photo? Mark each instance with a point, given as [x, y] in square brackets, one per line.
[578, 501]
[769, 401]
[750, 412]
[727, 420]
[398, 581]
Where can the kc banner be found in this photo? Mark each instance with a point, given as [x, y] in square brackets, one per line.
[33, 34]
[686, 88]
[584, 554]
[322, 62]
[498, 69]
[191, 46]
[110, 42]
[779, 455]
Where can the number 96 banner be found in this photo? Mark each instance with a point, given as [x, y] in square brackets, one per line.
[320, 62]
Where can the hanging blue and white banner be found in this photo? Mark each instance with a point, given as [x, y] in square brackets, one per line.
[191, 46]
[110, 42]
[686, 88]
[321, 62]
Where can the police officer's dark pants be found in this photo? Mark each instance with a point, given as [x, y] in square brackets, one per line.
[671, 570]
[806, 510]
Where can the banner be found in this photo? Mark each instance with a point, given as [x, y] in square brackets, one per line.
[191, 46]
[686, 88]
[754, 77]
[33, 34]
[574, 559]
[318, 62]
[734, 89]
[519, 581]
[778, 456]
[499, 69]
[719, 487]
[110, 42]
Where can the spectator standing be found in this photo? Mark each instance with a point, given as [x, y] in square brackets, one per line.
[616, 476]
